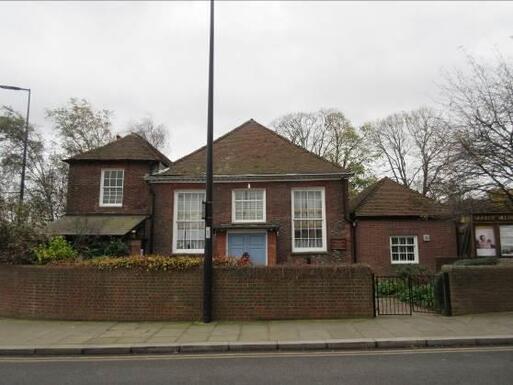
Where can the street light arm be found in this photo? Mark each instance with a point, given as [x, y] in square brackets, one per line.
[14, 88]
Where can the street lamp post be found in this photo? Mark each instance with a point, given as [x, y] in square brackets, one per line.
[207, 259]
[25, 139]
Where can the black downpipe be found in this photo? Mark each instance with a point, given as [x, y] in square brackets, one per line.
[354, 223]
[207, 260]
[152, 219]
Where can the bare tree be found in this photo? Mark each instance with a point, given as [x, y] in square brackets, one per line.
[80, 127]
[304, 129]
[45, 177]
[48, 186]
[415, 147]
[480, 107]
[156, 134]
[329, 134]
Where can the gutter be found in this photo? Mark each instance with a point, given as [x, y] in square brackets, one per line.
[247, 178]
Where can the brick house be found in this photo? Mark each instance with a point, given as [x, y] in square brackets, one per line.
[394, 225]
[272, 199]
[107, 193]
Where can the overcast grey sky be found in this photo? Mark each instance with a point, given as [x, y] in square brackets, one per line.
[366, 59]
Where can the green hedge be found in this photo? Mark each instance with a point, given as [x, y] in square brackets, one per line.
[154, 262]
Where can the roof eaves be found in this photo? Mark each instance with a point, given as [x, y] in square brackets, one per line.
[249, 177]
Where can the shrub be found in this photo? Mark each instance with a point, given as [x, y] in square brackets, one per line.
[232, 261]
[477, 261]
[17, 241]
[57, 249]
[392, 287]
[99, 246]
[407, 271]
[116, 248]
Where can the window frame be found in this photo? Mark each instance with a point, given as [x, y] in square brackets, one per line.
[102, 186]
[415, 250]
[235, 220]
[176, 250]
[324, 247]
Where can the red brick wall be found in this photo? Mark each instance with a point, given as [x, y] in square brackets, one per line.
[373, 241]
[480, 289]
[278, 202]
[77, 293]
[84, 188]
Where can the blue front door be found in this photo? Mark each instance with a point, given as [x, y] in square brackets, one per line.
[251, 243]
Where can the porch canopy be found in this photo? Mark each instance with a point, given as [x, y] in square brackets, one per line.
[95, 224]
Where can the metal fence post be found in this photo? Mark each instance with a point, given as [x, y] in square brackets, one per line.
[410, 294]
[374, 295]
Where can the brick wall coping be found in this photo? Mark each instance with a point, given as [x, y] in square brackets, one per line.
[498, 267]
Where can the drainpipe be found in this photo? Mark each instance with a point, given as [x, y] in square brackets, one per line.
[152, 218]
[354, 224]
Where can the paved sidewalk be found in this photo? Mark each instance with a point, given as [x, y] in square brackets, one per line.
[36, 334]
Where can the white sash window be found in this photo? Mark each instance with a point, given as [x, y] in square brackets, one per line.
[111, 188]
[308, 220]
[189, 226]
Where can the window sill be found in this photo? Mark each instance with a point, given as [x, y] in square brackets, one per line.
[303, 252]
[405, 263]
[188, 252]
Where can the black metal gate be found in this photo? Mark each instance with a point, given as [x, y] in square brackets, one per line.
[396, 295]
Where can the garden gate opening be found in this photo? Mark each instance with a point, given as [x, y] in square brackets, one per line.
[397, 295]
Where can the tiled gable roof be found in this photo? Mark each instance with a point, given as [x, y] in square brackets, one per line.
[389, 198]
[129, 147]
[252, 149]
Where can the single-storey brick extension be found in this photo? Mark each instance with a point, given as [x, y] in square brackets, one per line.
[394, 225]
[273, 200]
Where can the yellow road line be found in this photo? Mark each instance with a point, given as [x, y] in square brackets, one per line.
[217, 356]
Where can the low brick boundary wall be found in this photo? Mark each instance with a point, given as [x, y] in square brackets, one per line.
[265, 293]
[480, 289]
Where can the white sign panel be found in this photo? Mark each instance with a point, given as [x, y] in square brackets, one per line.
[485, 241]
[506, 240]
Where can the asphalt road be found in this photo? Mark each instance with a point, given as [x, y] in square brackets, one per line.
[491, 366]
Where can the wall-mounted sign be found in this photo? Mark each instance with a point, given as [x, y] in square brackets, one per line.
[493, 218]
[485, 241]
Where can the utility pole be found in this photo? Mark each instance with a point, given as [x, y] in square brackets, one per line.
[207, 260]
